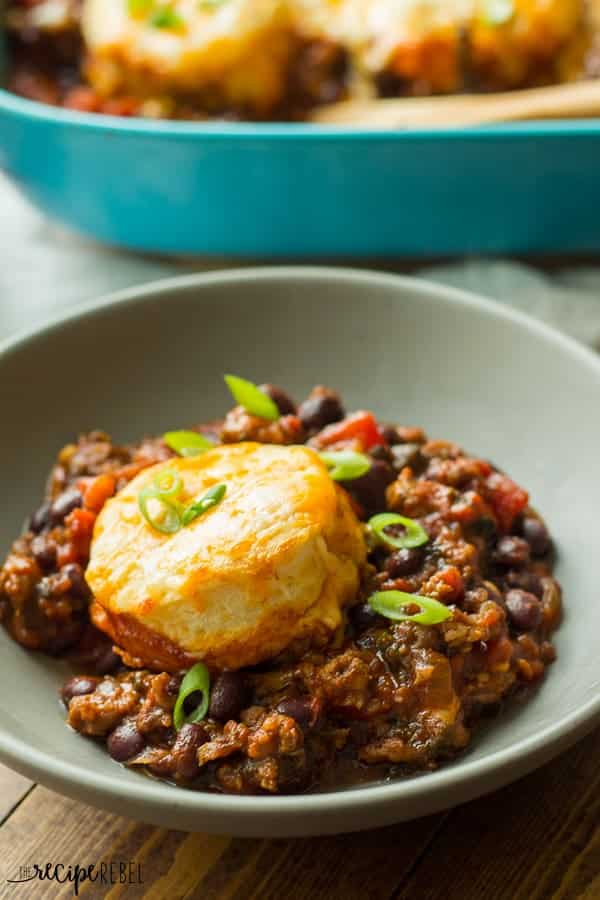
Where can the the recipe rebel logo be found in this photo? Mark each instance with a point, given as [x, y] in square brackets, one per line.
[104, 873]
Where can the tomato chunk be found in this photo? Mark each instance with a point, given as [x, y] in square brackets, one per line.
[507, 499]
[360, 426]
[81, 523]
[97, 492]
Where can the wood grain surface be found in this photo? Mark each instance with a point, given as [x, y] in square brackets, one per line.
[537, 839]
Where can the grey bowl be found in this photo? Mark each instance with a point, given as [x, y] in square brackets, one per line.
[152, 358]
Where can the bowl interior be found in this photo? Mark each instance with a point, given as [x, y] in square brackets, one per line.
[505, 388]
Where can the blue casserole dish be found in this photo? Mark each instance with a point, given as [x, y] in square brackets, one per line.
[303, 190]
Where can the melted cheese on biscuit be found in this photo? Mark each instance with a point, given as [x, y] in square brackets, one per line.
[274, 561]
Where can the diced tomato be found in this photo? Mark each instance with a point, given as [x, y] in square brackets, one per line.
[66, 553]
[80, 523]
[97, 492]
[468, 508]
[491, 618]
[83, 99]
[120, 106]
[484, 467]
[361, 426]
[452, 577]
[506, 498]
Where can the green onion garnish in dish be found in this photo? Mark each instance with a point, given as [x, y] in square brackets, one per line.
[345, 465]
[210, 499]
[414, 535]
[256, 402]
[158, 502]
[159, 512]
[165, 17]
[392, 604]
[139, 7]
[168, 484]
[187, 443]
[196, 681]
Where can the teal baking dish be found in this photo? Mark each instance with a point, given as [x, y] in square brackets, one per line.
[295, 190]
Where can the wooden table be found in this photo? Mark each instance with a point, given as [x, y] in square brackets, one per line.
[535, 840]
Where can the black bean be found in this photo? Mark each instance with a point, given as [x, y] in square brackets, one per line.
[64, 504]
[524, 609]
[404, 562]
[512, 551]
[79, 585]
[229, 696]
[192, 702]
[390, 435]
[321, 408]
[485, 528]
[405, 455]
[78, 687]
[381, 452]
[94, 652]
[40, 518]
[190, 737]
[528, 581]
[536, 535]
[297, 708]
[125, 742]
[362, 616]
[283, 401]
[107, 661]
[44, 553]
[369, 489]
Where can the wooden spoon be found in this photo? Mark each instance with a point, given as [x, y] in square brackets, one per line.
[574, 100]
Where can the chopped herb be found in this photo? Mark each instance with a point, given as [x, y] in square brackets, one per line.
[140, 8]
[392, 604]
[345, 465]
[414, 535]
[187, 443]
[196, 681]
[166, 17]
[210, 499]
[256, 402]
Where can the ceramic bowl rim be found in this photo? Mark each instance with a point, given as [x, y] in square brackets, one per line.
[286, 131]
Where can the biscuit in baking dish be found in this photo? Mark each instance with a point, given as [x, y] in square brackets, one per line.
[234, 52]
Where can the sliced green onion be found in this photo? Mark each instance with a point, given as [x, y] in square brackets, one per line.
[210, 499]
[187, 443]
[415, 535]
[168, 484]
[392, 603]
[256, 402]
[498, 12]
[139, 7]
[165, 17]
[196, 680]
[345, 465]
[158, 511]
